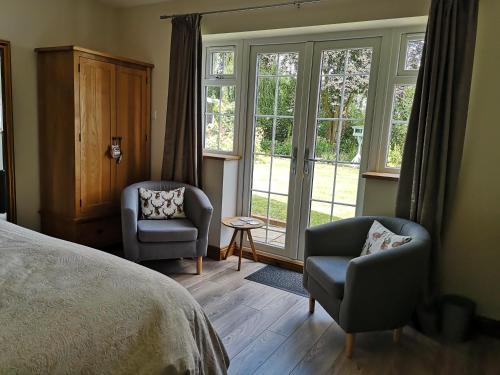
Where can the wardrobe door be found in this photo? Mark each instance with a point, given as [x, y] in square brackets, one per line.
[97, 126]
[132, 126]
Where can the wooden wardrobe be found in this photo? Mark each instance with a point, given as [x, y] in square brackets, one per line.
[87, 101]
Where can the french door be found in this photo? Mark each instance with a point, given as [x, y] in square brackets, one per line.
[309, 112]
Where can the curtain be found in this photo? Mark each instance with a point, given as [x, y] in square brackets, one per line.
[436, 130]
[183, 149]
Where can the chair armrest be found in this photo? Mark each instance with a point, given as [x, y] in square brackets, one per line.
[338, 238]
[382, 289]
[130, 214]
[198, 209]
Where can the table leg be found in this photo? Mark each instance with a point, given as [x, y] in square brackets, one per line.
[230, 248]
[252, 245]
[241, 248]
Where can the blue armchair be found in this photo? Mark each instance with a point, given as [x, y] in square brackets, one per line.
[166, 239]
[369, 293]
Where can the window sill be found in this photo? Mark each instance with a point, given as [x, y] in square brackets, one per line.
[381, 176]
[213, 155]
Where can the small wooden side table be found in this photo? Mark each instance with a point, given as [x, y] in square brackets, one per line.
[227, 221]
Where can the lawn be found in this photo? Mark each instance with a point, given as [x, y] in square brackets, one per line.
[345, 190]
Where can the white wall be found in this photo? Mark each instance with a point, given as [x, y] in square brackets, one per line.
[28, 24]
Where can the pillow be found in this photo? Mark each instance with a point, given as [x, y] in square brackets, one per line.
[380, 238]
[162, 205]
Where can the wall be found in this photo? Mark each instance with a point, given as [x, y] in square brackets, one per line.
[28, 24]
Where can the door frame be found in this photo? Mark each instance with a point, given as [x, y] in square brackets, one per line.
[8, 139]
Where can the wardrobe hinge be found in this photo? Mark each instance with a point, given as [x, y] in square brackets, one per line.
[80, 203]
[78, 68]
[79, 137]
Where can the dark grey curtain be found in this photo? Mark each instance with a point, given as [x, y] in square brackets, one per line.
[433, 148]
[183, 150]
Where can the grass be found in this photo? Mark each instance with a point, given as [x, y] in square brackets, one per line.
[345, 190]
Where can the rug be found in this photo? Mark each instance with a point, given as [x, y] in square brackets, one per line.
[280, 278]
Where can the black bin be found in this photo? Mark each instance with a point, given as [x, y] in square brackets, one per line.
[456, 317]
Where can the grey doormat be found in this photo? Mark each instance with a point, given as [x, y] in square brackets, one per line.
[279, 278]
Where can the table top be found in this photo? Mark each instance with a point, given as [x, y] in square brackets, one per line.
[232, 222]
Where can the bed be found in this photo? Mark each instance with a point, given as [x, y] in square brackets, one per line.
[66, 308]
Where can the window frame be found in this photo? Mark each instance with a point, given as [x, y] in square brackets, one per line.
[234, 79]
[397, 76]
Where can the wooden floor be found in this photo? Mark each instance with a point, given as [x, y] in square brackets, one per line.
[269, 331]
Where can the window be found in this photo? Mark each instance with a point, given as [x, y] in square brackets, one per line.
[220, 93]
[401, 97]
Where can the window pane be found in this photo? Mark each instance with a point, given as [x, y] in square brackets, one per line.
[320, 213]
[356, 96]
[396, 145]
[346, 186]
[212, 132]
[283, 137]
[330, 97]
[228, 99]
[226, 133]
[219, 118]
[213, 99]
[333, 62]
[288, 63]
[261, 172]
[259, 204]
[280, 175]
[222, 63]
[263, 135]
[351, 139]
[266, 96]
[326, 140]
[267, 63]
[402, 102]
[323, 178]
[359, 61]
[414, 49]
[343, 212]
[286, 96]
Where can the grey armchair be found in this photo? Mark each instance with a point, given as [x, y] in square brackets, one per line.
[166, 239]
[369, 293]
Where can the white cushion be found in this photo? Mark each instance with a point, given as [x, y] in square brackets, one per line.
[380, 238]
[161, 205]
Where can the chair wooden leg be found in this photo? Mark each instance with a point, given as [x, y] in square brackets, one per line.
[312, 302]
[349, 344]
[396, 335]
[199, 265]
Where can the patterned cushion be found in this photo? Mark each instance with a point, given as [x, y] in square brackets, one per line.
[380, 238]
[161, 205]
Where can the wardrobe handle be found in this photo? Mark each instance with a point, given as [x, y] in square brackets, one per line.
[115, 150]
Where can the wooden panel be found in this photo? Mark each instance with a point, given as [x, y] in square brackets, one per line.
[99, 233]
[132, 126]
[97, 126]
[56, 133]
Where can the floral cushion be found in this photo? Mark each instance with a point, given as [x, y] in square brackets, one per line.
[380, 238]
[162, 205]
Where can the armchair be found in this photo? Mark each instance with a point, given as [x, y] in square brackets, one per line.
[166, 239]
[374, 292]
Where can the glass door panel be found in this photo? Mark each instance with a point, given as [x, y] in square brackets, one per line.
[339, 105]
[275, 73]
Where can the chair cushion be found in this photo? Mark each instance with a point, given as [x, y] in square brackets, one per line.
[380, 238]
[330, 272]
[179, 230]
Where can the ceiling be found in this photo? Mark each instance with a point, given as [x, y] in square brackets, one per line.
[131, 3]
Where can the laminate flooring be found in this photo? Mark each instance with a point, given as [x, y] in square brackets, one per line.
[270, 331]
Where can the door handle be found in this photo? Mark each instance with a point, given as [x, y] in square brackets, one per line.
[307, 160]
[294, 161]
[115, 149]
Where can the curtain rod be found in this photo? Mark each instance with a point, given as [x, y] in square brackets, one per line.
[297, 3]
